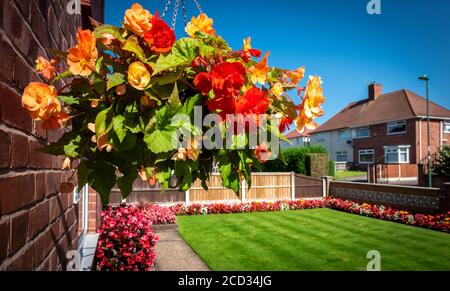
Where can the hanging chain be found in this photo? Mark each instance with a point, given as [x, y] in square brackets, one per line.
[175, 13]
[198, 6]
[184, 12]
[169, 2]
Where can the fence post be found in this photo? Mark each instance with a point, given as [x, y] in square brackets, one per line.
[326, 185]
[292, 186]
[186, 197]
[243, 191]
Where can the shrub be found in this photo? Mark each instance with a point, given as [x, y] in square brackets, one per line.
[126, 242]
[317, 165]
[331, 168]
[292, 159]
[443, 162]
[158, 214]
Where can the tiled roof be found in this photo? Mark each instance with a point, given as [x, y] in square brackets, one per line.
[295, 134]
[393, 106]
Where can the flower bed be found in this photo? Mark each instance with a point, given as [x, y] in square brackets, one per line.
[126, 242]
[440, 222]
[223, 208]
[159, 215]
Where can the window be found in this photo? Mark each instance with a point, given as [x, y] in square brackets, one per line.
[362, 132]
[345, 135]
[446, 127]
[366, 156]
[396, 155]
[396, 127]
[341, 156]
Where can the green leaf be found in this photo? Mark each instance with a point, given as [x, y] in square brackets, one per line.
[119, 127]
[160, 141]
[69, 100]
[99, 86]
[68, 146]
[184, 51]
[164, 175]
[189, 105]
[108, 29]
[63, 75]
[83, 174]
[132, 45]
[125, 183]
[103, 179]
[115, 80]
[103, 122]
[174, 100]
[168, 78]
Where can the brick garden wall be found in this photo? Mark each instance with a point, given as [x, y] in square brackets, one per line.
[38, 224]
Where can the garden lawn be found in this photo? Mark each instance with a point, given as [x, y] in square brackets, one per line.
[349, 174]
[317, 239]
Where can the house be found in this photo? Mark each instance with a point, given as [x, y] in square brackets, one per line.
[297, 139]
[385, 130]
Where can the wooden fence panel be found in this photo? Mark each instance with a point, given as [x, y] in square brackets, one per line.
[308, 187]
[270, 186]
[216, 191]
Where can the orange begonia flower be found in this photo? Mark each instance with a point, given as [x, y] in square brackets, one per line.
[138, 75]
[311, 105]
[55, 121]
[201, 23]
[46, 68]
[82, 58]
[260, 71]
[41, 101]
[296, 76]
[138, 20]
[67, 164]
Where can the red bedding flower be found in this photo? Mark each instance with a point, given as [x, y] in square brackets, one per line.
[161, 37]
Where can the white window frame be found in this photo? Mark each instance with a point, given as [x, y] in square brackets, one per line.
[446, 127]
[396, 123]
[399, 150]
[365, 136]
[342, 153]
[366, 152]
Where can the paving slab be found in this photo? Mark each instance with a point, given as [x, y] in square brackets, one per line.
[173, 254]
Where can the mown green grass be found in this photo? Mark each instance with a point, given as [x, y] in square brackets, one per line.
[319, 239]
[349, 174]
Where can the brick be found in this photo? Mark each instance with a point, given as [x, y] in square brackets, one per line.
[18, 232]
[39, 26]
[70, 216]
[16, 192]
[24, 7]
[39, 131]
[19, 151]
[55, 208]
[40, 187]
[37, 159]
[8, 54]
[24, 262]
[57, 229]
[4, 241]
[52, 182]
[12, 110]
[24, 73]
[5, 146]
[38, 218]
[43, 246]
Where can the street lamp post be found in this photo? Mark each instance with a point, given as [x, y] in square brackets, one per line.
[427, 79]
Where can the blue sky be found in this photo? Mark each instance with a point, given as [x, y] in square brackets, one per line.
[337, 40]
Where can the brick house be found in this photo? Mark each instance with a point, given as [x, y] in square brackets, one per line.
[38, 224]
[386, 130]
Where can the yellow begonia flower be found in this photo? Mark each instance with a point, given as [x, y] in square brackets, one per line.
[138, 20]
[201, 23]
[138, 75]
[311, 105]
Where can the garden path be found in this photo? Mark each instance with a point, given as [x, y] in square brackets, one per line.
[173, 254]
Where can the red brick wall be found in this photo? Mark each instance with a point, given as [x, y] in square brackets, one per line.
[38, 224]
[435, 135]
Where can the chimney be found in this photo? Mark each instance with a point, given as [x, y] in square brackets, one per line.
[375, 90]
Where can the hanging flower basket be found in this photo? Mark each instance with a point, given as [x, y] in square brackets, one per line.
[136, 102]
